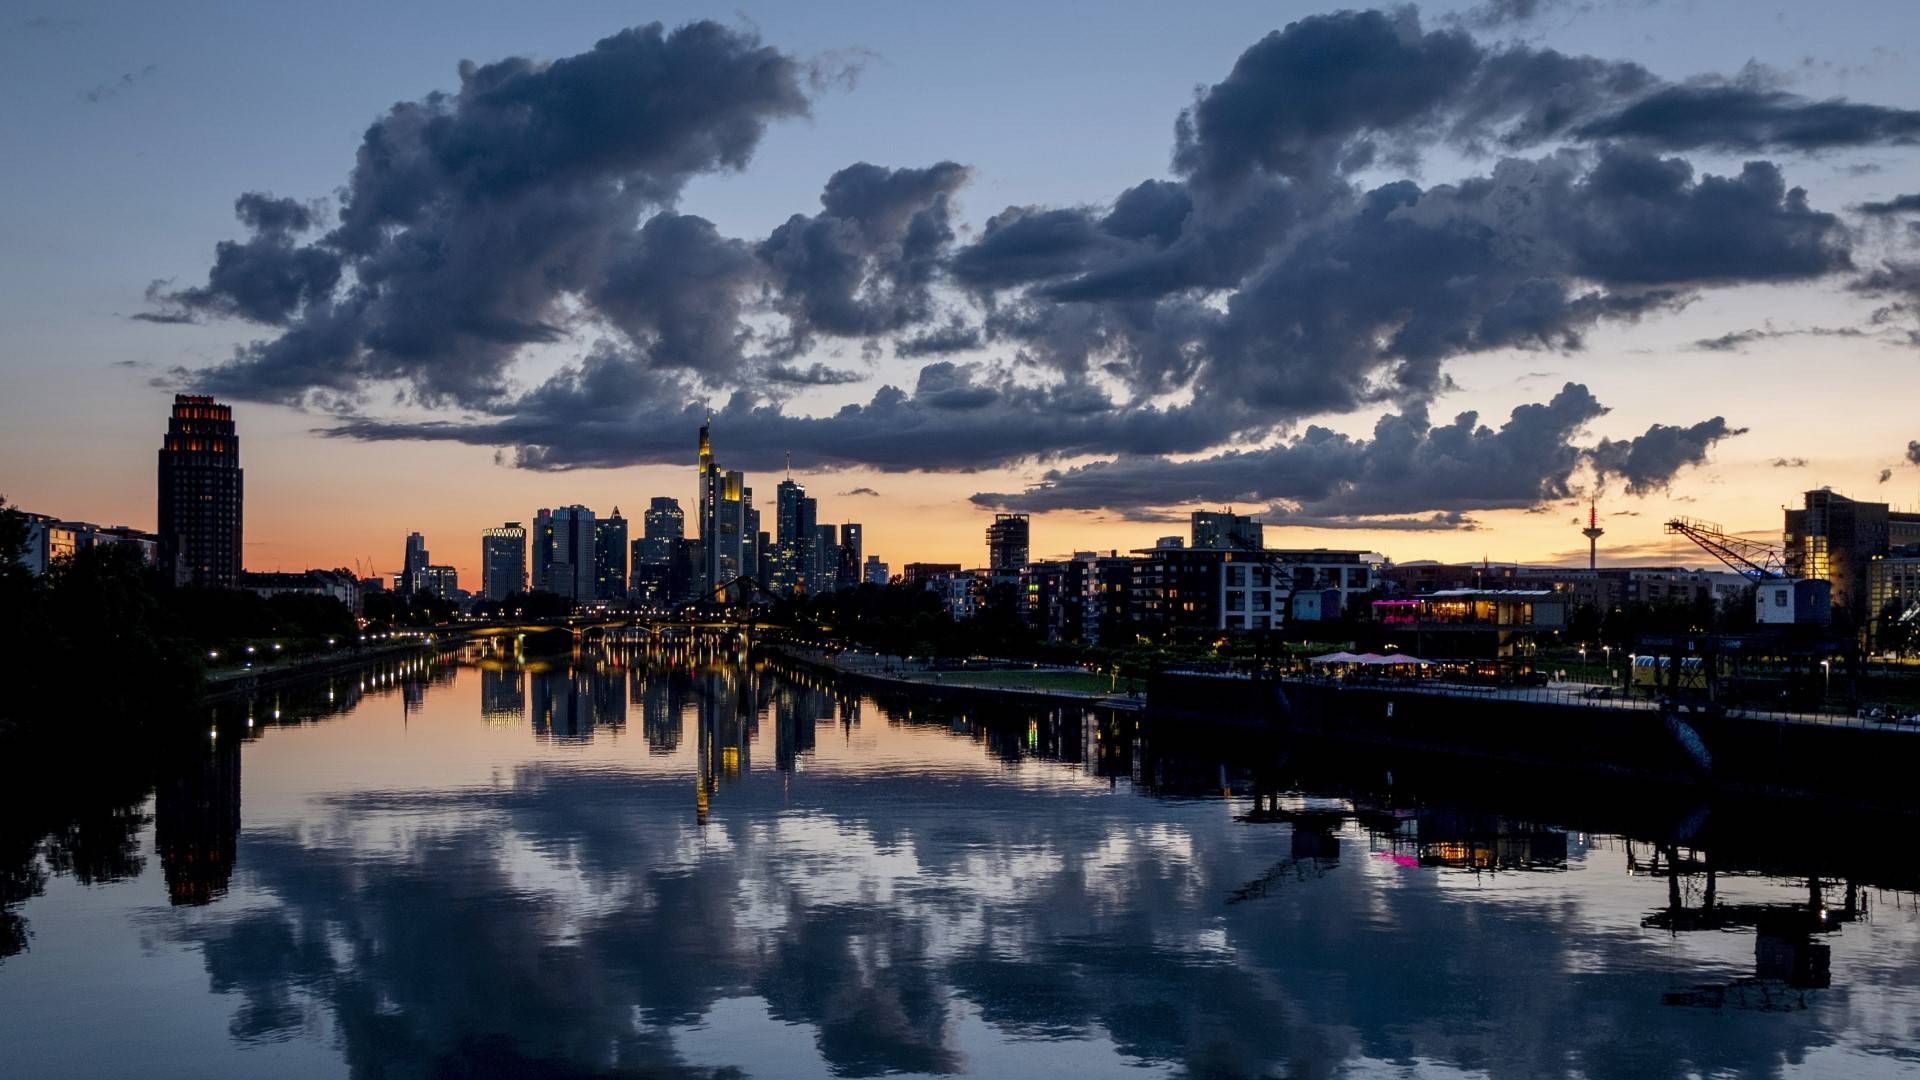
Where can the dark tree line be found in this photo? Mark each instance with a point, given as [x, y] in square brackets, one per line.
[102, 637]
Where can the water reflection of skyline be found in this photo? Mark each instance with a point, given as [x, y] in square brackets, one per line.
[942, 892]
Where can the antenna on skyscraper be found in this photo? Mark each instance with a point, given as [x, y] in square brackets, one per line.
[789, 464]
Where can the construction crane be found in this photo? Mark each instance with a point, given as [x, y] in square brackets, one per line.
[1749, 558]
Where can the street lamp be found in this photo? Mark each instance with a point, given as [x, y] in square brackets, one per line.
[1826, 670]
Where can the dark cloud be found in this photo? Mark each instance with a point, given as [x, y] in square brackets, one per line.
[677, 290]
[610, 411]
[955, 336]
[111, 88]
[1494, 14]
[470, 219]
[1746, 119]
[1734, 340]
[1789, 463]
[1913, 452]
[864, 265]
[268, 278]
[1408, 467]
[816, 374]
[1261, 284]
[1899, 204]
[1886, 475]
[1649, 462]
[860, 491]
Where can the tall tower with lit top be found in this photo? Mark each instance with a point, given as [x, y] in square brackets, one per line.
[1593, 532]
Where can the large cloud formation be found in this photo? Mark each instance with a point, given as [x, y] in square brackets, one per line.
[1276, 275]
[1409, 464]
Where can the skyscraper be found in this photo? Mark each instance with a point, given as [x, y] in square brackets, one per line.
[503, 561]
[610, 557]
[541, 559]
[723, 520]
[570, 573]
[659, 578]
[1007, 542]
[201, 494]
[825, 570]
[413, 566]
[850, 555]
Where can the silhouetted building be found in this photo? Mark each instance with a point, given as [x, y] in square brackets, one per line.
[916, 573]
[850, 555]
[334, 584]
[610, 557]
[873, 571]
[1226, 530]
[413, 565]
[825, 572]
[442, 581]
[659, 551]
[572, 536]
[201, 494]
[540, 558]
[1007, 543]
[503, 561]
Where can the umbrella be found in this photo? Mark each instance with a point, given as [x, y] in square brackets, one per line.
[1333, 658]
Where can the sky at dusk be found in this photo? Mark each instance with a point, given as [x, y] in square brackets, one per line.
[1418, 280]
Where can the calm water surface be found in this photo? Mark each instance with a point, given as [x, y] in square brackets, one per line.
[654, 864]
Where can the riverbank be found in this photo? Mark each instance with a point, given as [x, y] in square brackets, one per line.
[1031, 685]
[240, 682]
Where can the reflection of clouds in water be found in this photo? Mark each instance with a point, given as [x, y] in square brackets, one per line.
[991, 919]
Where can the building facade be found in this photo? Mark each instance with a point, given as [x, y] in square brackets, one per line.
[49, 540]
[201, 494]
[1226, 530]
[1008, 543]
[873, 571]
[503, 561]
[572, 538]
[610, 557]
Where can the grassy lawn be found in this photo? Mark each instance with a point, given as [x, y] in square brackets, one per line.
[1085, 682]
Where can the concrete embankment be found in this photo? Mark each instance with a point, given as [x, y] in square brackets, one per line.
[1770, 755]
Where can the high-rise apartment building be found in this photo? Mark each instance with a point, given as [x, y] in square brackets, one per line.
[201, 494]
[1007, 541]
[503, 561]
[610, 557]
[873, 571]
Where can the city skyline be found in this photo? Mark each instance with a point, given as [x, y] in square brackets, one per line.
[1660, 381]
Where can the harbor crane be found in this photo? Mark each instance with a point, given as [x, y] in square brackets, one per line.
[1748, 558]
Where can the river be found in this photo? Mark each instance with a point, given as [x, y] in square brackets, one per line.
[666, 861]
